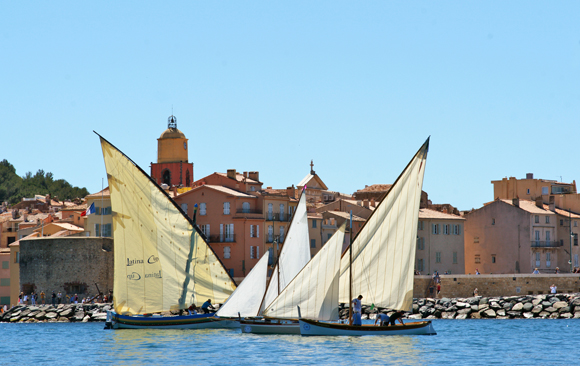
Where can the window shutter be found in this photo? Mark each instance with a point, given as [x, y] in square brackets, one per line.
[257, 252]
[257, 231]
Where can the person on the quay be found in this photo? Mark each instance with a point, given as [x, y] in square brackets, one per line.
[382, 319]
[397, 315]
[557, 270]
[32, 298]
[553, 289]
[477, 271]
[536, 271]
[357, 311]
[475, 292]
[59, 297]
[42, 296]
[207, 307]
[53, 299]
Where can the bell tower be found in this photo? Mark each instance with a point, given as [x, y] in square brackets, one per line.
[172, 167]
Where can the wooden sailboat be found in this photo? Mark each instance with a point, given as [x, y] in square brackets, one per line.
[381, 259]
[294, 255]
[162, 263]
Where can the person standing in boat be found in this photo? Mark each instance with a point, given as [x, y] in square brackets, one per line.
[357, 310]
[207, 307]
[397, 315]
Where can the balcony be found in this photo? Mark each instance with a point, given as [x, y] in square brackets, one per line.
[242, 211]
[545, 244]
[273, 216]
[222, 238]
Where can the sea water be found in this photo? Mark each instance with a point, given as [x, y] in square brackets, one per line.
[458, 342]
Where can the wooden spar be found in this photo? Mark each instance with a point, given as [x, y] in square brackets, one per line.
[350, 273]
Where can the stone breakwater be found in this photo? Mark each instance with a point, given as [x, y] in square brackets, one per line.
[63, 313]
[551, 306]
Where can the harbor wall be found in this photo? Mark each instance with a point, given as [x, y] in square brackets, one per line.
[457, 286]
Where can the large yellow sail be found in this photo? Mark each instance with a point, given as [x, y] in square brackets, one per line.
[161, 261]
[384, 250]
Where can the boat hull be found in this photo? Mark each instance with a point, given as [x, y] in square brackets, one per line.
[198, 321]
[316, 328]
[270, 326]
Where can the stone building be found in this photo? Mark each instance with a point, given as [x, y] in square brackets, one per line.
[72, 265]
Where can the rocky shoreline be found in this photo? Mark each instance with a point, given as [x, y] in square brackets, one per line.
[552, 306]
[63, 313]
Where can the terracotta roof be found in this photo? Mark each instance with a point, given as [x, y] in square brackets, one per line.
[5, 250]
[314, 215]
[227, 191]
[17, 242]
[530, 206]
[172, 133]
[561, 212]
[81, 207]
[376, 188]
[425, 213]
[239, 178]
[105, 193]
[64, 226]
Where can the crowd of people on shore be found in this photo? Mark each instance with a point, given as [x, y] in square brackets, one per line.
[57, 298]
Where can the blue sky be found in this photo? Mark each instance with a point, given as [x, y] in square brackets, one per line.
[268, 86]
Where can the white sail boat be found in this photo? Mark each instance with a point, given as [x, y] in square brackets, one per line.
[379, 263]
[161, 261]
[294, 255]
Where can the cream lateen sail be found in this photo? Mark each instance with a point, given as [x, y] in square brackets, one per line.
[294, 254]
[161, 262]
[245, 301]
[315, 288]
[384, 250]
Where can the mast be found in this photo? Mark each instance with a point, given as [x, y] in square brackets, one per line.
[278, 265]
[350, 273]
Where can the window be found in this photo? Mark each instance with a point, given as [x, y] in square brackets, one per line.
[231, 270]
[446, 229]
[437, 257]
[420, 225]
[420, 265]
[290, 209]
[107, 210]
[329, 236]
[17, 257]
[561, 222]
[97, 230]
[575, 239]
[545, 190]
[575, 223]
[548, 259]
[528, 191]
[547, 219]
[254, 231]
[270, 233]
[227, 252]
[537, 259]
[476, 239]
[252, 188]
[5, 264]
[205, 230]
[456, 229]
[537, 235]
[435, 228]
[5, 282]
[493, 221]
[255, 252]
[314, 224]
[270, 208]
[226, 208]
[454, 257]
[537, 219]
[420, 243]
[107, 232]
[493, 258]
[547, 236]
[229, 233]
[312, 243]
[202, 210]
[576, 260]
[246, 207]
[477, 258]
[281, 212]
[281, 234]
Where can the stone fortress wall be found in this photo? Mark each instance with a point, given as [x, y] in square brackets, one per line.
[66, 264]
[488, 285]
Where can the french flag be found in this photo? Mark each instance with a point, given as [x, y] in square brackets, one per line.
[90, 210]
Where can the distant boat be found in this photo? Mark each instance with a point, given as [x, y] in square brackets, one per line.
[294, 255]
[162, 263]
[380, 261]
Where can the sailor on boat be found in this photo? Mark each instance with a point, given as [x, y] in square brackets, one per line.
[357, 310]
[382, 319]
[207, 307]
[397, 315]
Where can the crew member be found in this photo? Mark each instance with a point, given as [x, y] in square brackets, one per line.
[382, 319]
[207, 307]
[357, 310]
[397, 315]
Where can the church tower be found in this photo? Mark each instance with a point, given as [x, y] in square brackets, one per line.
[172, 167]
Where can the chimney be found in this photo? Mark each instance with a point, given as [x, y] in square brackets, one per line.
[254, 175]
[232, 173]
[530, 176]
[366, 203]
[291, 191]
[539, 202]
[373, 203]
[246, 175]
[516, 202]
[552, 204]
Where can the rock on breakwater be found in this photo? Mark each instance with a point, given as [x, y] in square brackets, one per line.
[550, 306]
[60, 313]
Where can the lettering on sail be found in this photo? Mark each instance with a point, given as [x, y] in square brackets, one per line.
[131, 262]
[153, 275]
[153, 259]
[134, 276]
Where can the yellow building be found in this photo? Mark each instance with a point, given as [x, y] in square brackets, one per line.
[101, 222]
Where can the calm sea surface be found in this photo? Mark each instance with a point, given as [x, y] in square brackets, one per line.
[461, 342]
